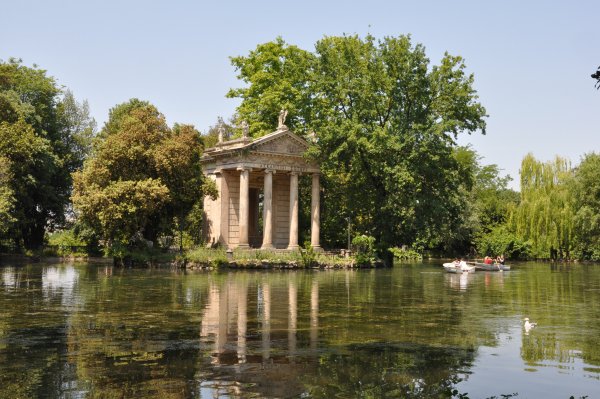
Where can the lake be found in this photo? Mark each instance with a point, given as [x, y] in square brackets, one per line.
[85, 331]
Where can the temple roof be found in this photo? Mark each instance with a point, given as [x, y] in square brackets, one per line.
[281, 148]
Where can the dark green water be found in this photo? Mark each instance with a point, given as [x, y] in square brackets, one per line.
[80, 330]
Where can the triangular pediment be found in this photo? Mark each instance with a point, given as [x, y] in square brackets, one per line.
[283, 143]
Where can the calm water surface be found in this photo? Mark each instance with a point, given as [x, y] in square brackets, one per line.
[89, 331]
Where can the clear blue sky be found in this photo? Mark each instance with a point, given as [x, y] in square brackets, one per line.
[532, 60]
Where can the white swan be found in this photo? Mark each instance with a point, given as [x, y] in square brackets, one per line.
[527, 325]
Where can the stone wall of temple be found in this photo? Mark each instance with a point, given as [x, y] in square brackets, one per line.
[233, 206]
[281, 210]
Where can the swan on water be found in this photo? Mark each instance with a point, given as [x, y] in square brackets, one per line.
[527, 325]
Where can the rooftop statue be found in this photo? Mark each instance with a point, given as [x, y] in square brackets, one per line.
[245, 129]
[221, 131]
[281, 123]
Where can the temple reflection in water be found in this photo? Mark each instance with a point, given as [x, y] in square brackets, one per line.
[258, 329]
[234, 304]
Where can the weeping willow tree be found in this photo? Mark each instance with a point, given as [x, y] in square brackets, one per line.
[544, 218]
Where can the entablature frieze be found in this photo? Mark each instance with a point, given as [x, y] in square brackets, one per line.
[261, 166]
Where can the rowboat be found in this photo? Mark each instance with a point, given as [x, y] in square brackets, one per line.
[461, 268]
[494, 267]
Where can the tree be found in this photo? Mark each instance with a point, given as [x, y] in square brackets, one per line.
[41, 146]
[78, 127]
[140, 177]
[211, 138]
[585, 194]
[485, 203]
[277, 76]
[596, 75]
[385, 123]
[7, 197]
[545, 214]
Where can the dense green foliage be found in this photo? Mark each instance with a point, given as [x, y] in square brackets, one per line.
[382, 122]
[67, 243]
[544, 217]
[44, 136]
[143, 178]
[557, 215]
[405, 254]
[364, 246]
[385, 122]
[585, 194]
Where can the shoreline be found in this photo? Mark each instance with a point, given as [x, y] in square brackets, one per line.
[186, 264]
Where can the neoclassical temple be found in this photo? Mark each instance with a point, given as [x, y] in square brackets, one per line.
[257, 179]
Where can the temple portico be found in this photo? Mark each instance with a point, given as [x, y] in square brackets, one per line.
[257, 182]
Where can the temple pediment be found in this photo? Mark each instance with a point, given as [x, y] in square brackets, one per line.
[280, 150]
[282, 143]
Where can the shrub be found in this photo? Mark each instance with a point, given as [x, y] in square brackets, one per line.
[309, 256]
[502, 241]
[365, 249]
[65, 243]
[405, 253]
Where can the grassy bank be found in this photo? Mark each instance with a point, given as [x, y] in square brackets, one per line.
[305, 258]
[202, 257]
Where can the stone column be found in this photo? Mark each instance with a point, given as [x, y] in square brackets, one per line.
[314, 315]
[292, 317]
[242, 324]
[221, 338]
[266, 322]
[315, 212]
[293, 242]
[268, 211]
[244, 207]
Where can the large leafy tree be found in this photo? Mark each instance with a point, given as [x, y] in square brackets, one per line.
[385, 122]
[43, 139]
[141, 176]
[545, 215]
[585, 193]
[278, 76]
[486, 202]
[7, 196]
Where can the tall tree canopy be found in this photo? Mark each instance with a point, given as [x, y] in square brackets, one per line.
[385, 122]
[141, 175]
[488, 202]
[44, 136]
[545, 215]
[585, 192]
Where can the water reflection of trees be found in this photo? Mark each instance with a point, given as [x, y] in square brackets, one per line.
[384, 370]
[112, 332]
[565, 295]
[33, 342]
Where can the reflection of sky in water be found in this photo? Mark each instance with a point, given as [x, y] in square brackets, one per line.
[60, 281]
[10, 279]
[539, 378]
